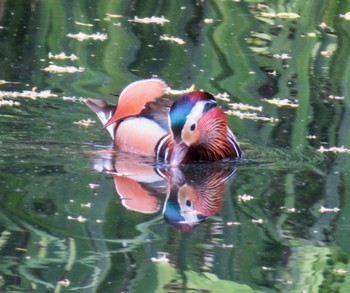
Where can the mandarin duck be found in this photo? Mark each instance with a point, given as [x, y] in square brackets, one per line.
[193, 128]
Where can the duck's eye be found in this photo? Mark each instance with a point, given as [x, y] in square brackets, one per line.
[193, 127]
[188, 203]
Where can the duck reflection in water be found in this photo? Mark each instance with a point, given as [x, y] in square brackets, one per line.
[189, 194]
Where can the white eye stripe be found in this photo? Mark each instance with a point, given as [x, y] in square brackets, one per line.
[195, 114]
[197, 110]
[192, 119]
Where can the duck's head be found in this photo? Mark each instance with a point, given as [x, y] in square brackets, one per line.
[195, 120]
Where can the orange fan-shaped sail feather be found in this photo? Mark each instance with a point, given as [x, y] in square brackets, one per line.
[134, 97]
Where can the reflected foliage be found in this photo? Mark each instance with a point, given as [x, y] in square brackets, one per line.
[62, 225]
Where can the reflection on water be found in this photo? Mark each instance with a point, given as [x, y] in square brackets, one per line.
[281, 72]
[187, 195]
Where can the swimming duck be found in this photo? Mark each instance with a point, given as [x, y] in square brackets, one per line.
[192, 128]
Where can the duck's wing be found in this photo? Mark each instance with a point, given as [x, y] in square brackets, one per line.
[158, 111]
[135, 96]
[136, 134]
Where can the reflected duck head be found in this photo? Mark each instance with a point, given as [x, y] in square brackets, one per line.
[196, 193]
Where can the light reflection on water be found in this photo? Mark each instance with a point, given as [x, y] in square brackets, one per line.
[279, 223]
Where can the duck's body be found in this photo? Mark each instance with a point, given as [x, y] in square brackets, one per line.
[192, 128]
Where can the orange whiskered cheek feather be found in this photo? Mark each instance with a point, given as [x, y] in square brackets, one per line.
[213, 124]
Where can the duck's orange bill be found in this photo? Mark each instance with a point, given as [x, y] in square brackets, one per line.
[179, 154]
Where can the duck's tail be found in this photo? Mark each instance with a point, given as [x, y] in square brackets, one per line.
[104, 111]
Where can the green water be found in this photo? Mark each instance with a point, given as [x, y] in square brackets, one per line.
[63, 225]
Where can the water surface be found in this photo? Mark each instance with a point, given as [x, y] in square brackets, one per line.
[278, 221]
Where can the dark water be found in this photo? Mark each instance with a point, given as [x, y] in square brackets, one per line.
[276, 222]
